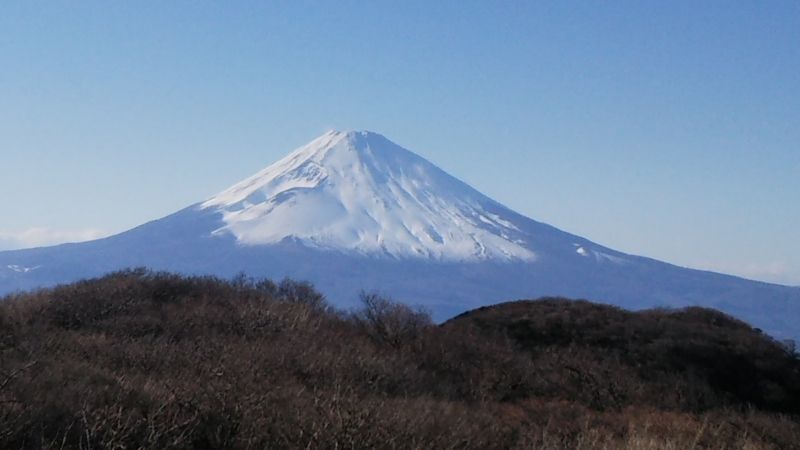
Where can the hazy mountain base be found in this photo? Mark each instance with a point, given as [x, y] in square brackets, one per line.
[142, 360]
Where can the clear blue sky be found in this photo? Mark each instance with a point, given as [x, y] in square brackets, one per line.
[668, 129]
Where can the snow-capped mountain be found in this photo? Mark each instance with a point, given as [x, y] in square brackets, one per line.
[352, 211]
[358, 192]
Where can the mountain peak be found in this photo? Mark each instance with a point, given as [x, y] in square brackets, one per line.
[345, 153]
[354, 137]
[356, 191]
[365, 144]
[353, 134]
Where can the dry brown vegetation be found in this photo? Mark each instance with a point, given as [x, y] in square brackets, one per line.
[150, 360]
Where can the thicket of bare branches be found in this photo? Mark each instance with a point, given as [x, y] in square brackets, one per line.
[151, 360]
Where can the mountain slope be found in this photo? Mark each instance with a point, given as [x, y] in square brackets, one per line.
[352, 211]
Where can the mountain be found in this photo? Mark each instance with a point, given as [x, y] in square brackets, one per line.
[352, 211]
[360, 193]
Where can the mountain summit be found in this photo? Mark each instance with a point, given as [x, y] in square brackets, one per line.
[359, 192]
[352, 211]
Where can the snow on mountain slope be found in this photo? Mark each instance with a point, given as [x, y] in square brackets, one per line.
[359, 192]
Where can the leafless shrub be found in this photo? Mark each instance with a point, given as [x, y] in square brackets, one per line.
[390, 322]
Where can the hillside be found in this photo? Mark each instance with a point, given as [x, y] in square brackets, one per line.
[151, 360]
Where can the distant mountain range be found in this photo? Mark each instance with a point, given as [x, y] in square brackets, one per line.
[353, 211]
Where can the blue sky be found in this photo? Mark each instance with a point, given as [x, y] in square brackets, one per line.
[668, 129]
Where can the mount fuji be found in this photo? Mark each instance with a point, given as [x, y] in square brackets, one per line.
[353, 211]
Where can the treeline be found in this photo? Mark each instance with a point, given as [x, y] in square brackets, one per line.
[152, 360]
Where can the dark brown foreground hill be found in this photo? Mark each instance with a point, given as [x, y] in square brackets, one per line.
[149, 360]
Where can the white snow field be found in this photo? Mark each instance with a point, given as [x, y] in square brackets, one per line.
[359, 192]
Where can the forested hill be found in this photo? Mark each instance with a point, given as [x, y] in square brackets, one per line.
[139, 359]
